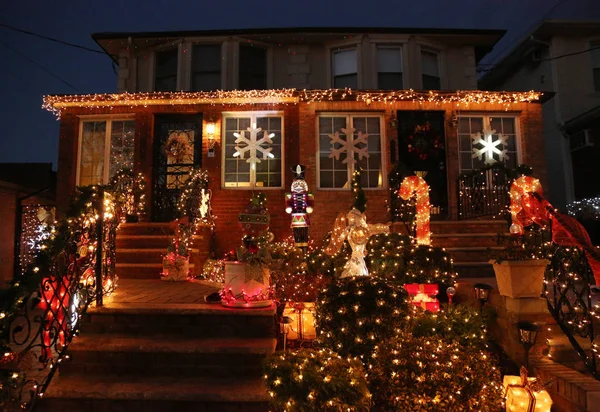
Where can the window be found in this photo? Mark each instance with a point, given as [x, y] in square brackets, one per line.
[430, 70]
[499, 131]
[348, 141]
[165, 73]
[253, 147]
[206, 67]
[389, 68]
[252, 68]
[106, 146]
[595, 53]
[344, 68]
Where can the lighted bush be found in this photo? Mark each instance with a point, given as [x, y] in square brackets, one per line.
[309, 380]
[426, 374]
[356, 314]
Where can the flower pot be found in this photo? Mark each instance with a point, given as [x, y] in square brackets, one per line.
[175, 268]
[520, 278]
[246, 286]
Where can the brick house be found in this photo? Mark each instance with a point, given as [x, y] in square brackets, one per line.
[292, 84]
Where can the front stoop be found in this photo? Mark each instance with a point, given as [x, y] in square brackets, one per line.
[185, 357]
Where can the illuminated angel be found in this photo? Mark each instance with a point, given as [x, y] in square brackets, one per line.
[354, 228]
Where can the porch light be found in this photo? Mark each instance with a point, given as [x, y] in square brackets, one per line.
[210, 132]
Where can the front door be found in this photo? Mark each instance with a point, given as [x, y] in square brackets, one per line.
[177, 149]
[422, 149]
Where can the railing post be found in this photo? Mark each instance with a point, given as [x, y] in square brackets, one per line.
[99, 245]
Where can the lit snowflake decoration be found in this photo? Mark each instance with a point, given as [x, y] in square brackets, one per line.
[489, 146]
[253, 145]
[349, 146]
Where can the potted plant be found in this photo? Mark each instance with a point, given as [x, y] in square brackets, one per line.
[520, 266]
[176, 263]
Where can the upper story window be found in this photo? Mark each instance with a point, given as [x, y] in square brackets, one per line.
[344, 68]
[252, 150]
[430, 70]
[347, 141]
[252, 67]
[389, 67]
[484, 140]
[595, 53]
[105, 147]
[165, 72]
[206, 67]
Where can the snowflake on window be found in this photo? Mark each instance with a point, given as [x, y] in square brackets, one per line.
[488, 146]
[253, 144]
[349, 146]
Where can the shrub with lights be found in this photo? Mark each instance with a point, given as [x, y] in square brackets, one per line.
[354, 315]
[309, 380]
[429, 374]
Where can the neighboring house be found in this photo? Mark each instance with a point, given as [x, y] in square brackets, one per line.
[430, 131]
[24, 188]
[561, 57]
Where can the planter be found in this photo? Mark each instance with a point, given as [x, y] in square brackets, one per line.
[246, 286]
[175, 268]
[520, 278]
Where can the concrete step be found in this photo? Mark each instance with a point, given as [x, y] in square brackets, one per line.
[180, 320]
[474, 269]
[469, 226]
[145, 228]
[467, 254]
[167, 356]
[142, 241]
[84, 393]
[561, 350]
[448, 240]
[141, 270]
[144, 255]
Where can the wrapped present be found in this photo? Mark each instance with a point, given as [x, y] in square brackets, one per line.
[525, 394]
[302, 315]
[423, 295]
[175, 267]
[246, 285]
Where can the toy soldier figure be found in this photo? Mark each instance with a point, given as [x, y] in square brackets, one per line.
[299, 204]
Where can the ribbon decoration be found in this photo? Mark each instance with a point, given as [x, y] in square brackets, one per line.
[530, 385]
[518, 189]
[418, 186]
[566, 231]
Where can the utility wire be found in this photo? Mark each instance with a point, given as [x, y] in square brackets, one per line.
[24, 56]
[41, 36]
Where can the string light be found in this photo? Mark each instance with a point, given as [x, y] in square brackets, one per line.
[416, 185]
[521, 186]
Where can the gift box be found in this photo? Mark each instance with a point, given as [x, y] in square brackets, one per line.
[175, 268]
[302, 315]
[525, 394]
[423, 295]
[246, 285]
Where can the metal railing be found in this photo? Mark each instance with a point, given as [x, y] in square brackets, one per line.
[484, 193]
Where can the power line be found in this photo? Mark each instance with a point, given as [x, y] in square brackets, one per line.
[41, 36]
[24, 56]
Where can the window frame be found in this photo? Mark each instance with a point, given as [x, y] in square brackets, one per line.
[107, 136]
[390, 45]
[190, 59]
[350, 166]
[488, 116]
[178, 45]
[338, 46]
[253, 115]
[235, 81]
[438, 52]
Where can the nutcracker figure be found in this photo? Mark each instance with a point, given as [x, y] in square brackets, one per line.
[299, 203]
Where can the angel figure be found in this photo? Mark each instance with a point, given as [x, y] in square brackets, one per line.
[357, 231]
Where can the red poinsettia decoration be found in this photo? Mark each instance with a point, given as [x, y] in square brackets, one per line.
[425, 142]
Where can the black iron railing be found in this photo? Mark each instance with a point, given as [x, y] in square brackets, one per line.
[484, 193]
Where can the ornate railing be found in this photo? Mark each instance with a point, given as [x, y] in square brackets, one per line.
[484, 192]
[41, 312]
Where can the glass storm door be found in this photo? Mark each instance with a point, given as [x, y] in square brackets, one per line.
[422, 149]
[177, 149]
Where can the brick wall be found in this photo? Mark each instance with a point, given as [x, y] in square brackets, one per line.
[300, 147]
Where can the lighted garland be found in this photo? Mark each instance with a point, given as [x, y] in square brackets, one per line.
[128, 190]
[585, 209]
[416, 185]
[56, 104]
[309, 380]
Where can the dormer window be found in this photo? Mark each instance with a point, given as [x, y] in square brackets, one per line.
[344, 68]
[389, 68]
[165, 73]
[206, 67]
[252, 67]
[430, 70]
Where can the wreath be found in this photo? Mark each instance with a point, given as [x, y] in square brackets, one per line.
[425, 142]
[178, 146]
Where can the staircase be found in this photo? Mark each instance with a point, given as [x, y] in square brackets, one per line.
[185, 357]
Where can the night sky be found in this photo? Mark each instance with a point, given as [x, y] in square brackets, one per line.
[29, 134]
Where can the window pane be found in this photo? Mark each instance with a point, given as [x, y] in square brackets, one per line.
[206, 67]
[429, 64]
[91, 165]
[431, 83]
[121, 146]
[389, 81]
[166, 70]
[344, 62]
[252, 68]
[389, 60]
[350, 81]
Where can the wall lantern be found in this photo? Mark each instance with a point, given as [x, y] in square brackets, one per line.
[210, 132]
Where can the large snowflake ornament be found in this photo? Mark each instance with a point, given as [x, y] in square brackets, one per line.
[253, 144]
[348, 146]
[488, 146]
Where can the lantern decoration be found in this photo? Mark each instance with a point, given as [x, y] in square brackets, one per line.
[299, 203]
[418, 186]
[525, 394]
[354, 228]
[302, 315]
[424, 295]
[519, 187]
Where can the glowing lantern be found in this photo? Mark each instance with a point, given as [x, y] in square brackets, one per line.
[423, 295]
[525, 394]
[302, 315]
[418, 186]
